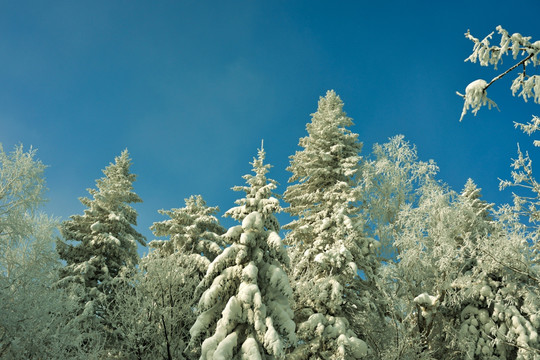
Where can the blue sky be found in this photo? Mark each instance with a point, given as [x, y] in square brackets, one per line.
[191, 88]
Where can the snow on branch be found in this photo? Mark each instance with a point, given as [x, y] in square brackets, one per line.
[475, 97]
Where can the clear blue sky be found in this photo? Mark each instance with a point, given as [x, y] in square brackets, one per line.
[191, 88]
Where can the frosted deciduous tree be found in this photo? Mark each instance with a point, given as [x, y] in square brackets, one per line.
[36, 318]
[21, 193]
[527, 85]
[430, 253]
[511, 259]
[101, 245]
[154, 309]
[244, 311]
[334, 263]
[391, 177]
[465, 279]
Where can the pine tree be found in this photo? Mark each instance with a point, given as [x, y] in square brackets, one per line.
[101, 246]
[247, 283]
[334, 261]
[193, 231]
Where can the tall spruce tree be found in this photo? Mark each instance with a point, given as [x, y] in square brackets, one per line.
[245, 310]
[334, 263]
[101, 245]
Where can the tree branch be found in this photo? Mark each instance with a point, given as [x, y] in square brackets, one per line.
[509, 70]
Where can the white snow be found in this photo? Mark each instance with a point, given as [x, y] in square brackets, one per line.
[113, 217]
[246, 292]
[253, 221]
[232, 312]
[476, 97]
[248, 238]
[233, 233]
[203, 321]
[249, 274]
[274, 240]
[225, 348]
[326, 223]
[426, 300]
[250, 350]
[96, 227]
[358, 347]
[272, 340]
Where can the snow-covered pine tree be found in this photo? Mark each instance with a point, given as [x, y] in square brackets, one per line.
[193, 231]
[245, 311]
[163, 298]
[101, 245]
[334, 263]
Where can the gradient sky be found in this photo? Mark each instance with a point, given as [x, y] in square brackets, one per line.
[191, 88]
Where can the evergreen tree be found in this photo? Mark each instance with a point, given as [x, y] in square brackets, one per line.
[334, 261]
[193, 231]
[247, 284]
[101, 245]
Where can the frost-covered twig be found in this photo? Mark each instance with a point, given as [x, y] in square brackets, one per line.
[475, 94]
